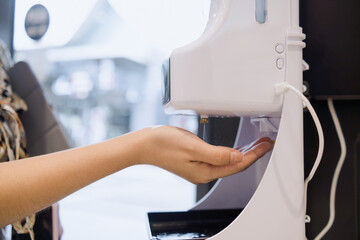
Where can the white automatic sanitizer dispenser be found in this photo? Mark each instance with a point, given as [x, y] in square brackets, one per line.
[248, 47]
[233, 67]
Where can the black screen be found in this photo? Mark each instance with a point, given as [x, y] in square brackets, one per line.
[166, 82]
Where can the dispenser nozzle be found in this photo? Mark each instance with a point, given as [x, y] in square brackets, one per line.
[204, 119]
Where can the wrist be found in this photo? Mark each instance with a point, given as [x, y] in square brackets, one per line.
[132, 147]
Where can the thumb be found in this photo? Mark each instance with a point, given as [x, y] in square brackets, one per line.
[218, 155]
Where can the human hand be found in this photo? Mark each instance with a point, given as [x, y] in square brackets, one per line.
[186, 155]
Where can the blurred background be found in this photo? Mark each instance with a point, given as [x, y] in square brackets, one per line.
[99, 63]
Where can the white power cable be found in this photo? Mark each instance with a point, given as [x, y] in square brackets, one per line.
[283, 88]
[337, 170]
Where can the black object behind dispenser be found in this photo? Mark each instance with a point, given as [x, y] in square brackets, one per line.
[332, 48]
[189, 225]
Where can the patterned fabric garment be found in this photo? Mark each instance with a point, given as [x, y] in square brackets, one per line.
[12, 134]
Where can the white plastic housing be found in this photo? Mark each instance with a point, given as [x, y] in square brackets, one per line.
[233, 67]
[232, 70]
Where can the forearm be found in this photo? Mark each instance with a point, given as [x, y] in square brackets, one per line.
[29, 185]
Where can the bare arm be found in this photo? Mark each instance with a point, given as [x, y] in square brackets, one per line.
[29, 185]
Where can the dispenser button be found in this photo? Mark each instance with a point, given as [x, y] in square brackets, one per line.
[280, 63]
[279, 48]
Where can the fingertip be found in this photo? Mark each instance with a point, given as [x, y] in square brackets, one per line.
[272, 143]
[254, 143]
[260, 149]
[269, 145]
[264, 139]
